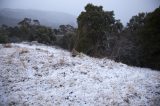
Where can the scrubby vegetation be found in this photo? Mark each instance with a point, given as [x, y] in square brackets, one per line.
[139, 42]
[95, 28]
[98, 34]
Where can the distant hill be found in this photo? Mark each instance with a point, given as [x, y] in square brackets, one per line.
[53, 19]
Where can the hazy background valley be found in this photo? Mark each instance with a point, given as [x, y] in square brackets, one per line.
[65, 12]
[52, 19]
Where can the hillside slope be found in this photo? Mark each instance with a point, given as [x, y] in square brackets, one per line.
[39, 75]
[53, 19]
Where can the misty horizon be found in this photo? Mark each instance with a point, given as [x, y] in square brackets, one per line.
[123, 10]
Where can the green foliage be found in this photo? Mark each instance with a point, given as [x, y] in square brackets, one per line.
[94, 25]
[139, 43]
[68, 41]
[4, 34]
[43, 35]
[150, 39]
[91, 27]
[66, 36]
[129, 47]
[137, 21]
[3, 39]
[27, 30]
[33, 31]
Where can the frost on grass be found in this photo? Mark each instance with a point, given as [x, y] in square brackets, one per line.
[40, 75]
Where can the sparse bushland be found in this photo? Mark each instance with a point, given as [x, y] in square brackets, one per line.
[98, 34]
[150, 39]
[27, 30]
[3, 34]
[66, 37]
[139, 43]
[68, 41]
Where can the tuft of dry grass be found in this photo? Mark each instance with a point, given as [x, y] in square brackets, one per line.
[61, 61]
[23, 50]
[9, 61]
[23, 64]
[7, 45]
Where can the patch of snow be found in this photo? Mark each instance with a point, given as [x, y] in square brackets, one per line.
[47, 76]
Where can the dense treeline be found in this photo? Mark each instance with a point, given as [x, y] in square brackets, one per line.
[27, 31]
[98, 34]
[139, 42]
[150, 38]
[31, 30]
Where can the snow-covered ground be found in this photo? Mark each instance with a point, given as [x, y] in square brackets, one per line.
[42, 75]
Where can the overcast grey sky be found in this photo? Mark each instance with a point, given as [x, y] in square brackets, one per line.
[124, 9]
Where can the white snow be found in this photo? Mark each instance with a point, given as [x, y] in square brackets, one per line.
[49, 76]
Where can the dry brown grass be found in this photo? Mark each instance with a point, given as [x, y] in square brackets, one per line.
[23, 64]
[23, 50]
[7, 45]
[9, 61]
[61, 61]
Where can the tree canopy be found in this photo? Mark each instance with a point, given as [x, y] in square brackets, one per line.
[93, 26]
